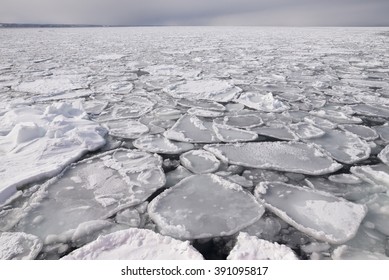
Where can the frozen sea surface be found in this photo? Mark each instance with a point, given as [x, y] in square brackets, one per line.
[194, 142]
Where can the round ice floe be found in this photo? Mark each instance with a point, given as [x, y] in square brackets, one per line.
[241, 121]
[213, 90]
[93, 189]
[383, 131]
[129, 129]
[375, 110]
[159, 144]
[343, 146]
[318, 214]
[364, 132]
[281, 132]
[135, 244]
[201, 104]
[345, 252]
[345, 178]
[252, 248]
[203, 206]
[336, 116]
[282, 156]
[262, 102]
[319, 122]
[228, 133]
[19, 246]
[205, 113]
[191, 129]
[374, 174]
[200, 161]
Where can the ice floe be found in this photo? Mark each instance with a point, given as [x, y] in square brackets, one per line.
[191, 129]
[135, 244]
[364, 132]
[306, 131]
[199, 161]
[283, 156]
[228, 133]
[203, 206]
[93, 189]
[384, 155]
[262, 102]
[316, 213]
[129, 129]
[160, 144]
[241, 120]
[374, 174]
[50, 138]
[211, 89]
[19, 246]
[343, 146]
[252, 248]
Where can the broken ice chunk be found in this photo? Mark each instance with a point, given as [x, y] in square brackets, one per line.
[19, 246]
[203, 206]
[383, 131]
[135, 244]
[374, 174]
[345, 252]
[252, 248]
[336, 116]
[159, 144]
[318, 214]
[201, 104]
[205, 113]
[319, 122]
[191, 129]
[282, 156]
[281, 132]
[378, 214]
[344, 178]
[228, 133]
[343, 146]
[375, 110]
[262, 102]
[52, 86]
[212, 89]
[200, 161]
[175, 176]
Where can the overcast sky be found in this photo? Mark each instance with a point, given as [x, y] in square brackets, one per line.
[198, 12]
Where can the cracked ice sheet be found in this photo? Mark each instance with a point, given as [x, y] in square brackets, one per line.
[41, 142]
[282, 156]
[318, 214]
[93, 189]
[135, 244]
[252, 248]
[203, 206]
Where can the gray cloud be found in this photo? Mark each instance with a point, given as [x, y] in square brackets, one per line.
[203, 12]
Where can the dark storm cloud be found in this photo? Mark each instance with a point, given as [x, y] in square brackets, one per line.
[218, 12]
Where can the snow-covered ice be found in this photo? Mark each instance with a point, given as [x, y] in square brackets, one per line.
[203, 206]
[262, 102]
[135, 244]
[50, 138]
[160, 144]
[277, 156]
[199, 161]
[19, 246]
[252, 248]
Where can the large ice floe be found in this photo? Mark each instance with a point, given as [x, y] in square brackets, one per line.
[318, 214]
[210, 89]
[283, 156]
[50, 138]
[203, 206]
[19, 246]
[93, 189]
[252, 248]
[135, 244]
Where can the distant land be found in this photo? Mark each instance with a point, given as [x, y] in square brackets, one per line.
[33, 25]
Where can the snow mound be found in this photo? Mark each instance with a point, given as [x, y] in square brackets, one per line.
[54, 137]
[282, 156]
[203, 206]
[135, 244]
[159, 144]
[212, 90]
[200, 161]
[252, 248]
[318, 214]
[19, 246]
[262, 102]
